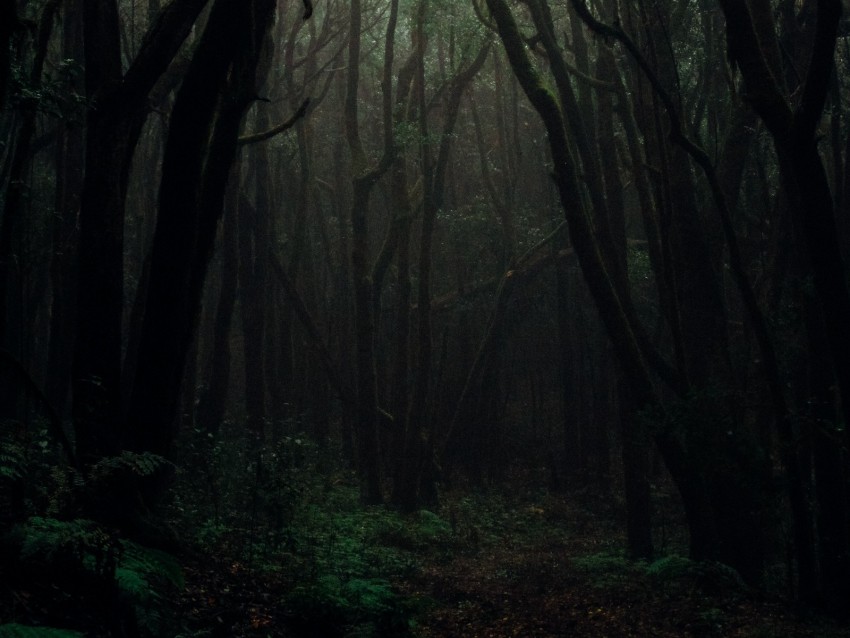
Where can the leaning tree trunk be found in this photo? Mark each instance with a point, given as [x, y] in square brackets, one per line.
[202, 139]
[619, 323]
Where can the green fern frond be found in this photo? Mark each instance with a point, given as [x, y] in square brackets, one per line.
[142, 465]
[12, 461]
[134, 585]
[14, 630]
[669, 567]
[149, 563]
[50, 537]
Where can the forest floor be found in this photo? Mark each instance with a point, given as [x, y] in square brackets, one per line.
[484, 566]
[289, 551]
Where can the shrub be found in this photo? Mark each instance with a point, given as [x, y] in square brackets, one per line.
[357, 607]
[14, 630]
[110, 576]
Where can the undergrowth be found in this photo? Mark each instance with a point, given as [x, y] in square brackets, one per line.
[283, 523]
[65, 574]
[671, 573]
[80, 565]
[291, 511]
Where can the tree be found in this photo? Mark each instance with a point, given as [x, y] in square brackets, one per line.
[219, 86]
[114, 121]
[753, 49]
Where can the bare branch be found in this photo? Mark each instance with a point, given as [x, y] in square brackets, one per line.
[277, 130]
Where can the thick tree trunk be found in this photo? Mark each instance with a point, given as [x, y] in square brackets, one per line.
[112, 129]
[803, 176]
[219, 86]
[118, 108]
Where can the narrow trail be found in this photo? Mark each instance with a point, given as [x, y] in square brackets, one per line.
[538, 591]
[533, 574]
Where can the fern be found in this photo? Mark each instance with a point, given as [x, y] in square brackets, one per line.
[135, 585]
[670, 567]
[142, 575]
[139, 574]
[358, 607]
[14, 630]
[80, 540]
[148, 564]
[12, 462]
[141, 465]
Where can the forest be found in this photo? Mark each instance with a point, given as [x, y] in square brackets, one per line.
[386, 318]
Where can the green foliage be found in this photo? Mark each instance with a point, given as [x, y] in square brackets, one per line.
[669, 573]
[29, 467]
[52, 96]
[430, 529]
[669, 567]
[12, 461]
[337, 537]
[149, 565]
[144, 575]
[606, 570]
[80, 542]
[355, 607]
[14, 630]
[98, 567]
[418, 532]
[233, 486]
[140, 465]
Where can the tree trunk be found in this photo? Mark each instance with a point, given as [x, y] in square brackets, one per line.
[212, 402]
[253, 260]
[219, 86]
[361, 273]
[803, 175]
[618, 322]
[70, 156]
[8, 24]
[113, 127]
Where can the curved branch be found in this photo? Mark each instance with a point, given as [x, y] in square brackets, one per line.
[280, 128]
[763, 90]
[701, 158]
